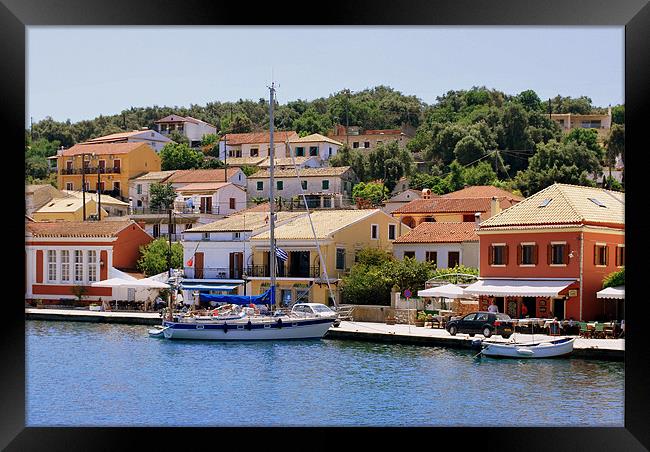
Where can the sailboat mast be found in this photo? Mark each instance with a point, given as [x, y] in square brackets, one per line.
[272, 257]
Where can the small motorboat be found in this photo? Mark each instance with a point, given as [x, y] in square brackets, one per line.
[157, 331]
[545, 349]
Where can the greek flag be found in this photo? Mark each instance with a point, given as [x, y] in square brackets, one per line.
[281, 254]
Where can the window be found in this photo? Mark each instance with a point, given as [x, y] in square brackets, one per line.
[92, 265]
[326, 185]
[330, 152]
[156, 230]
[236, 235]
[498, 254]
[300, 152]
[374, 232]
[313, 151]
[410, 254]
[620, 256]
[558, 254]
[78, 266]
[366, 144]
[303, 184]
[255, 152]
[527, 254]
[206, 236]
[597, 202]
[469, 318]
[279, 185]
[65, 265]
[116, 186]
[188, 226]
[232, 203]
[69, 186]
[51, 265]
[139, 203]
[453, 259]
[391, 232]
[482, 317]
[138, 189]
[260, 185]
[545, 202]
[600, 254]
[355, 144]
[340, 259]
[431, 256]
[327, 202]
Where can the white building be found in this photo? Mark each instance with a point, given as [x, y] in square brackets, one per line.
[401, 199]
[194, 129]
[217, 198]
[253, 145]
[315, 145]
[445, 244]
[183, 177]
[139, 188]
[328, 187]
[216, 255]
[151, 137]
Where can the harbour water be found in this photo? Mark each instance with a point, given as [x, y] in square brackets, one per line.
[88, 374]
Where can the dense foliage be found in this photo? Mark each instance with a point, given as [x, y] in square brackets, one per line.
[162, 195]
[154, 257]
[369, 194]
[615, 279]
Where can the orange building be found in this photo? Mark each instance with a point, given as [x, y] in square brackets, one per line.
[62, 255]
[547, 255]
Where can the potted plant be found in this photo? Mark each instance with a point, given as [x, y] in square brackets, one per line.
[421, 318]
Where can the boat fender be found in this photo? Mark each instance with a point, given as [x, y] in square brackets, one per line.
[279, 323]
[225, 327]
[249, 326]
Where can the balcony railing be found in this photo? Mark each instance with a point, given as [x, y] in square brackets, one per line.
[161, 211]
[175, 236]
[283, 271]
[91, 170]
[218, 273]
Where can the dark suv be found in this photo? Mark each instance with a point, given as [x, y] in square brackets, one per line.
[482, 322]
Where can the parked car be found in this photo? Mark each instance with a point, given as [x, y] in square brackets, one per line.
[482, 322]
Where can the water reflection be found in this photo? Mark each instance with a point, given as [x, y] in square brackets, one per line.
[98, 374]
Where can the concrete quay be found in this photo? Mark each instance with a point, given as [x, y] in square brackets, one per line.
[85, 315]
[605, 349]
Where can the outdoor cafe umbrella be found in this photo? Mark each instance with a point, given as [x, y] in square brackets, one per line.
[447, 291]
[145, 283]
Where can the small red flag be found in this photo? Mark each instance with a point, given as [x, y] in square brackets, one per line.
[190, 262]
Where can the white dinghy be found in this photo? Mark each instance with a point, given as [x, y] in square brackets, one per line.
[547, 349]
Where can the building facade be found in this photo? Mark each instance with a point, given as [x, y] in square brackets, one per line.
[154, 139]
[192, 128]
[254, 144]
[365, 140]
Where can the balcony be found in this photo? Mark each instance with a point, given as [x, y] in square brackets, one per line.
[165, 235]
[283, 271]
[161, 211]
[91, 170]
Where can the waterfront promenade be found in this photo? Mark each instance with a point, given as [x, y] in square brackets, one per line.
[613, 349]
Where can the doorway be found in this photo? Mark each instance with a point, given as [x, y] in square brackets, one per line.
[531, 307]
[499, 301]
[558, 308]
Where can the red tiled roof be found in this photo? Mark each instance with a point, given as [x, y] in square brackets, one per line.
[77, 228]
[102, 148]
[205, 186]
[201, 175]
[482, 191]
[451, 205]
[258, 137]
[435, 232]
[382, 132]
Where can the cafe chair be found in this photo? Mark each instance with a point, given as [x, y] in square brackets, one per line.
[584, 330]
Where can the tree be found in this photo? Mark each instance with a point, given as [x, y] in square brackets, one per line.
[154, 257]
[162, 195]
[468, 150]
[614, 279]
[568, 163]
[588, 137]
[480, 174]
[529, 100]
[178, 137]
[389, 163]
[352, 158]
[249, 170]
[176, 156]
[618, 114]
[240, 123]
[79, 291]
[615, 145]
[312, 122]
[371, 192]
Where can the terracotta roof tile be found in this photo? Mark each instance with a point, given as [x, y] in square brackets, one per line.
[103, 148]
[304, 172]
[258, 137]
[436, 232]
[201, 175]
[482, 191]
[77, 228]
[204, 186]
[451, 205]
[314, 138]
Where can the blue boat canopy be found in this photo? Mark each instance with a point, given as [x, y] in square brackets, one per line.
[265, 298]
[190, 286]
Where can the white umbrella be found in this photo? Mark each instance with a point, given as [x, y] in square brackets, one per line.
[447, 291]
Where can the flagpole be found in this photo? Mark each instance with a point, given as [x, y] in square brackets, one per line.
[272, 257]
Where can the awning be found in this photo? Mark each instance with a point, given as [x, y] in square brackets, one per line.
[131, 283]
[447, 291]
[190, 286]
[519, 287]
[617, 293]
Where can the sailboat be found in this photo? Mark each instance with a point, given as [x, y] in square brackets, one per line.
[239, 317]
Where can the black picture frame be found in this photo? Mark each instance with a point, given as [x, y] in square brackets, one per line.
[15, 15]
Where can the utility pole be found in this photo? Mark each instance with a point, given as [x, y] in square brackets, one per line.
[225, 160]
[99, 194]
[169, 256]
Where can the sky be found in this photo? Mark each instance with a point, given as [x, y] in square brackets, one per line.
[81, 72]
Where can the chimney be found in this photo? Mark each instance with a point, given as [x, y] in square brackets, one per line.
[495, 208]
[477, 218]
[426, 193]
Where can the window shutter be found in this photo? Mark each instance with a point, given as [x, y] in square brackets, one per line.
[491, 254]
[549, 254]
[519, 253]
[505, 255]
[606, 255]
[567, 250]
[535, 254]
[595, 254]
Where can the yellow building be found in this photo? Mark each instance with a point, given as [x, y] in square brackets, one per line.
[116, 163]
[67, 209]
[340, 233]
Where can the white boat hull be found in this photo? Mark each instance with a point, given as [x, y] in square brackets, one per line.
[550, 349]
[241, 331]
